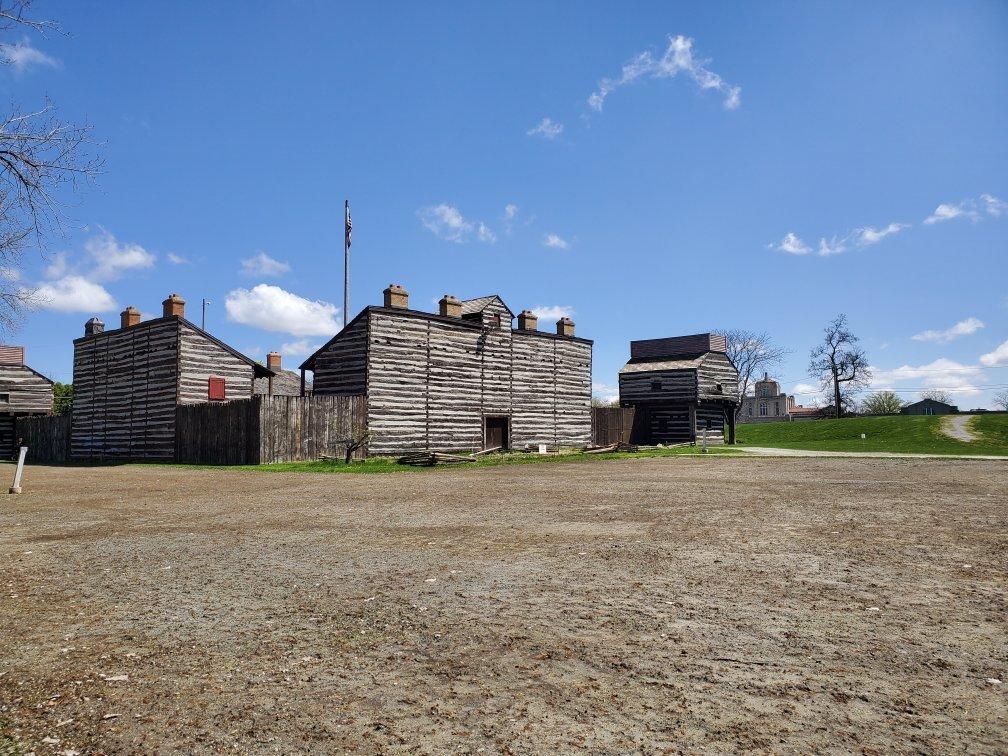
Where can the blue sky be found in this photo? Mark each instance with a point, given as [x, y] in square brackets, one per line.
[765, 166]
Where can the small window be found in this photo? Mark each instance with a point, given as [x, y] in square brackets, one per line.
[763, 409]
[656, 385]
[216, 389]
[749, 408]
[495, 320]
[717, 388]
[776, 408]
[5, 397]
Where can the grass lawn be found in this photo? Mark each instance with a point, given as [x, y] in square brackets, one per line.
[917, 434]
[388, 464]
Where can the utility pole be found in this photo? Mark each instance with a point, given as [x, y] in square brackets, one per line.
[205, 303]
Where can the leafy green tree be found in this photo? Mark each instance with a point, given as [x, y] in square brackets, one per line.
[882, 403]
[62, 398]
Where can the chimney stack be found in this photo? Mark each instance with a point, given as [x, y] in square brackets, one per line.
[273, 361]
[528, 321]
[450, 306]
[174, 305]
[129, 317]
[396, 296]
[93, 326]
[565, 327]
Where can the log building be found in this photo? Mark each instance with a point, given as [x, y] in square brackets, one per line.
[460, 379]
[683, 389]
[23, 392]
[128, 381]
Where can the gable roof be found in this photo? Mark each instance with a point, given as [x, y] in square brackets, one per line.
[654, 365]
[258, 369]
[472, 306]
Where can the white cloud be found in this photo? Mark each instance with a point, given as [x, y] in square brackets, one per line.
[274, 309]
[23, 56]
[552, 312]
[678, 57]
[58, 267]
[605, 392]
[262, 264]
[73, 294]
[510, 211]
[833, 246]
[962, 328]
[112, 259]
[555, 242]
[485, 234]
[299, 348]
[943, 373]
[868, 235]
[946, 211]
[547, 128]
[994, 206]
[997, 358]
[177, 259]
[792, 245]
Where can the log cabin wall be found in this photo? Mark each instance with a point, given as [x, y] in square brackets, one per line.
[715, 371]
[341, 367]
[125, 391]
[431, 380]
[200, 358]
[26, 391]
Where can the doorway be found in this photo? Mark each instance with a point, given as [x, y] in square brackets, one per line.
[495, 433]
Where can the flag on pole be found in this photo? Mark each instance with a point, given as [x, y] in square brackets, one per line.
[349, 225]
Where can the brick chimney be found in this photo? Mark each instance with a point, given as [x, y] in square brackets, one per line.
[174, 305]
[273, 361]
[396, 296]
[528, 321]
[93, 326]
[450, 306]
[565, 327]
[129, 317]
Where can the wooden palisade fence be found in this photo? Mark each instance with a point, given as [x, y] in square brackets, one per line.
[46, 436]
[268, 429]
[611, 425]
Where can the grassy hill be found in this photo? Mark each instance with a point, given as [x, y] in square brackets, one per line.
[918, 434]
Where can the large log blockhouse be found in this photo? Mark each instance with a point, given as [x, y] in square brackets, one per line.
[127, 382]
[682, 389]
[459, 379]
[23, 392]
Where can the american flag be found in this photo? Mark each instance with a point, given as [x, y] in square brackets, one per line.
[349, 225]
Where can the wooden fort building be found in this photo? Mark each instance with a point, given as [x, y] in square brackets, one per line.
[23, 392]
[683, 389]
[459, 379]
[128, 381]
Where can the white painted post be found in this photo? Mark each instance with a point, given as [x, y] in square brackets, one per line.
[16, 488]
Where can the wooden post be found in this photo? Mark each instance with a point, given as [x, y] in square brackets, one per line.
[730, 413]
[16, 487]
[302, 382]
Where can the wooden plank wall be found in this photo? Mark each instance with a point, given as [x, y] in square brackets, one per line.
[46, 436]
[716, 414]
[268, 429]
[28, 391]
[611, 425]
[125, 384]
[200, 358]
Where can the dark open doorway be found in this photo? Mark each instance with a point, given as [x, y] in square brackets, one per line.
[495, 433]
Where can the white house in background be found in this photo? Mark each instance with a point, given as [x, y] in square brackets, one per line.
[767, 404]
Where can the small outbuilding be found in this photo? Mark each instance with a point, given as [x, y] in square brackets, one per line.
[929, 407]
[683, 389]
[23, 392]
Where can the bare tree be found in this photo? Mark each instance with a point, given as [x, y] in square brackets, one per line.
[839, 363]
[353, 441]
[937, 395]
[1001, 400]
[41, 156]
[752, 353]
[882, 403]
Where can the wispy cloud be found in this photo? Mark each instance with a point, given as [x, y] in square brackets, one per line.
[792, 245]
[274, 309]
[547, 128]
[677, 58]
[553, 312]
[22, 56]
[510, 213]
[605, 392]
[942, 373]
[555, 241]
[175, 259]
[962, 328]
[447, 222]
[997, 358]
[299, 348]
[112, 259]
[261, 264]
[972, 209]
[858, 238]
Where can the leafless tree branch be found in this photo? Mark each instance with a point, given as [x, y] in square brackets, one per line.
[752, 353]
[839, 363]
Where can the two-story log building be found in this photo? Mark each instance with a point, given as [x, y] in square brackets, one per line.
[128, 381]
[682, 388]
[460, 379]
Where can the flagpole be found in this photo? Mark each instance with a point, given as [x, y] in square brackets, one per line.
[346, 261]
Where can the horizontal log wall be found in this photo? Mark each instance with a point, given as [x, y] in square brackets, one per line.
[341, 369]
[717, 369]
[716, 415]
[611, 425]
[27, 391]
[46, 436]
[674, 386]
[268, 429]
[200, 358]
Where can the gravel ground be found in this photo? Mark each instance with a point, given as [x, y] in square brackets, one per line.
[957, 427]
[679, 604]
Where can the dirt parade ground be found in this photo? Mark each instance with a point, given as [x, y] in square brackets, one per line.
[679, 604]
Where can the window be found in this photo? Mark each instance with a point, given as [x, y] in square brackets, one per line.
[216, 389]
[495, 320]
[776, 408]
[656, 385]
[717, 388]
[763, 409]
[749, 408]
[5, 397]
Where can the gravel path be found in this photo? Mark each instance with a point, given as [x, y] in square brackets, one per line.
[769, 451]
[704, 604]
[957, 427]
